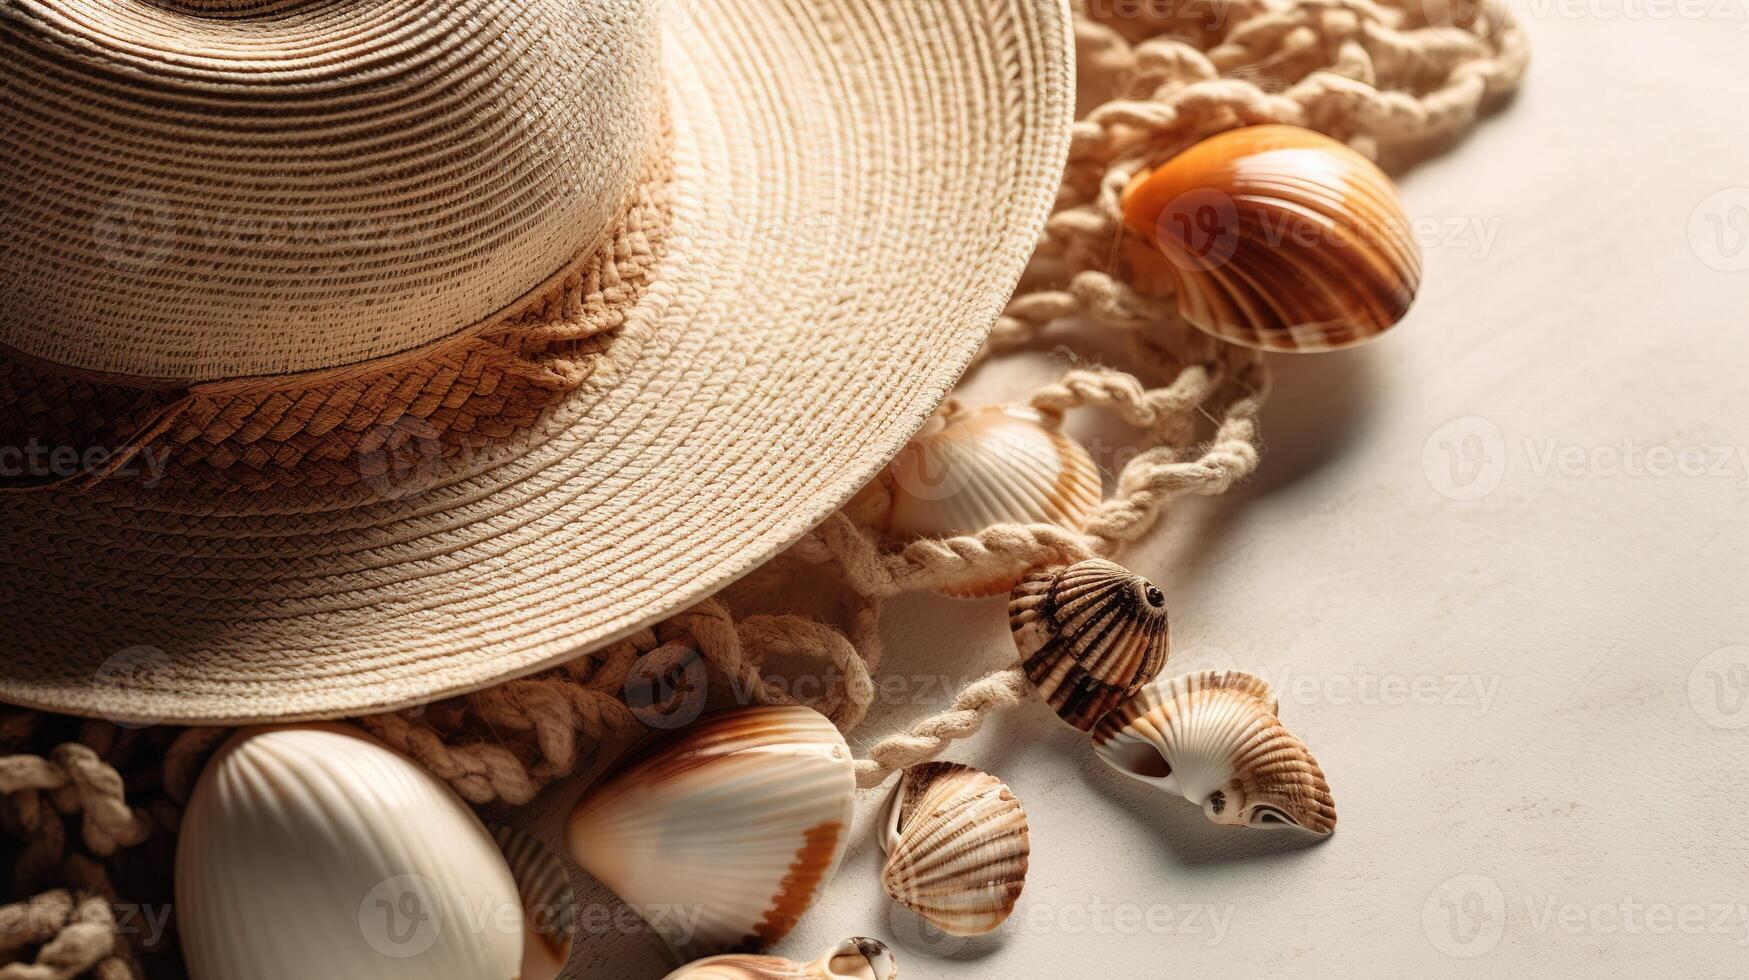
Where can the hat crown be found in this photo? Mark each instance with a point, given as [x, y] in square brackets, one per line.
[215, 189]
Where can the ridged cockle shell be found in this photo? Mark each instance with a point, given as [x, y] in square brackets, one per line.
[1000, 464]
[1279, 238]
[316, 851]
[548, 907]
[1213, 737]
[853, 959]
[1089, 635]
[721, 834]
[957, 846]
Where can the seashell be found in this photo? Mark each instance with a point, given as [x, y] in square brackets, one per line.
[1279, 238]
[858, 958]
[721, 834]
[316, 851]
[1213, 737]
[956, 845]
[548, 906]
[1089, 634]
[1001, 464]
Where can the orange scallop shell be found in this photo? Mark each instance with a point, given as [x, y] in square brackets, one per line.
[1278, 238]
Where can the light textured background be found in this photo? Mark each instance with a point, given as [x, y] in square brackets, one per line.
[1527, 676]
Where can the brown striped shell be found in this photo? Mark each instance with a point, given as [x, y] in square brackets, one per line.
[736, 822]
[548, 907]
[957, 846]
[857, 958]
[1277, 237]
[1213, 737]
[1089, 635]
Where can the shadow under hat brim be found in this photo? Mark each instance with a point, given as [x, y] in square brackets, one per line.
[858, 184]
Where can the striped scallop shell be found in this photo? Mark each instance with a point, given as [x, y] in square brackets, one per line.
[1089, 635]
[1213, 737]
[316, 851]
[1279, 238]
[858, 958]
[738, 819]
[1001, 464]
[957, 846]
[548, 906]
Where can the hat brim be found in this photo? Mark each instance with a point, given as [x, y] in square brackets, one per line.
[858, 184]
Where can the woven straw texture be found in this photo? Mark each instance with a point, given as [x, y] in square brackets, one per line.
[855, 187]
[226, 189]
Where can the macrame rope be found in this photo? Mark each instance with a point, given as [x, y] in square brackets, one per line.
[1389, 78]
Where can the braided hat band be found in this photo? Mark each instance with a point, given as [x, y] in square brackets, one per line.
[385, 424]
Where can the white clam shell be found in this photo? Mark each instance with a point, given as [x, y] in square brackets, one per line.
[315, 851]
[1089, 635]
[1213, 737]
[957, 847]
[721, 834]
[994, 465]
[548, 906]
[858, 958]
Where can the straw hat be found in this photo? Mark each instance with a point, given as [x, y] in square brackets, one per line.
[354, 354]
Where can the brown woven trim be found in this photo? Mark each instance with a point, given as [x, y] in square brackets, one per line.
[364, 423]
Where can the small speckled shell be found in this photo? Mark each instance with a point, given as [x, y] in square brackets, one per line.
[1213, 737]
[548, 907]
[957, 847]
[1279, 238]
[995, 465]
[1089, 635]
[853, 959]
[737, 820]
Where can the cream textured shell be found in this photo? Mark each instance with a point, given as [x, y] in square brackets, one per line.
[739, 819]
[314, 851]
[858, 958]
[957, 847]
[1213, 737]
[1278, 237]
[1089, 634]
[999, 464]
[548, 905]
